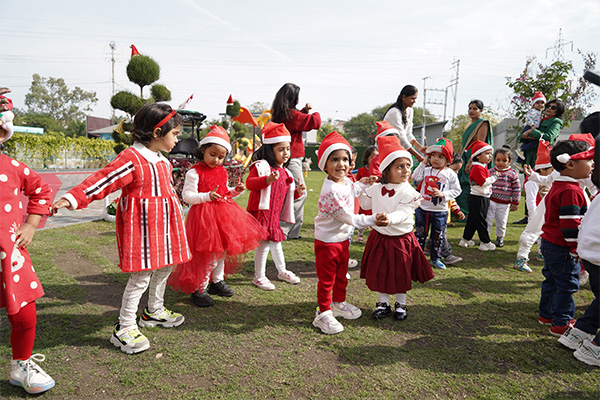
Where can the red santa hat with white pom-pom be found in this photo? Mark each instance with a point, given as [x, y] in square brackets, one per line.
[217, 135]
[275, 133]
[384, 128]
[543, 155]
[332, 142]
[389, 150]
[478, 147]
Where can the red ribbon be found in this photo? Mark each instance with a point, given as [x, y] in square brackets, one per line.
[165, 120]
[390, 192]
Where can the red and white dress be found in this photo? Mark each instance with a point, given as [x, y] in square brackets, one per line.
[216, 229]
[19, 284]
[149, 222]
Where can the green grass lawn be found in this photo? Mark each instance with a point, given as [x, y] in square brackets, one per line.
[472, 332]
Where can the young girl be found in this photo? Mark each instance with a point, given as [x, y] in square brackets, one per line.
[219, 230]
[439, 184]
[271, 200]
[479, 198]
[506, 192]
[393, 257]
[332, 229]
[363, 172]
[150, 230]
[20, 286]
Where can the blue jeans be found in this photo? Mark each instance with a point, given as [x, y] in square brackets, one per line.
[562, 280]
[437, 220]
[590, 321]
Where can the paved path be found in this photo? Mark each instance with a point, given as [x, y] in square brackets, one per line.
[68, 180]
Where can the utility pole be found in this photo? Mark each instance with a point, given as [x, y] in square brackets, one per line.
[424, 103]
[113, 47]
[558, 47]
[454, 86]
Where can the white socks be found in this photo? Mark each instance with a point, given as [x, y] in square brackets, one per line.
[385, 298]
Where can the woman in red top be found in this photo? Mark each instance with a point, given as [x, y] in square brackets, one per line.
[284, 111]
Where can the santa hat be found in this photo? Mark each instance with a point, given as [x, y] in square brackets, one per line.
[537, 96]
[543, 155]
[275, 133]
[384, 129]
[584, 137]
[443, 146]
[332, 142]
[217, 135]
[6, 123]
[478, 147]
[389, 150]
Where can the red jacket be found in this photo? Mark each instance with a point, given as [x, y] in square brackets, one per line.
[256, 183]
[300, 122]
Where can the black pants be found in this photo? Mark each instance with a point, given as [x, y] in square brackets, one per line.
[478, 208]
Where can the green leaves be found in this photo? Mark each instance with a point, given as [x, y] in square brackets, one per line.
[143, 71]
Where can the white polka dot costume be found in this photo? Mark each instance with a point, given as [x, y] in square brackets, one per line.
[19, 284]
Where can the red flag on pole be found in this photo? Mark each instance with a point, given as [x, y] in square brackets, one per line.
[134, 51]
[230, 101]
[245, 117]
[183, 105]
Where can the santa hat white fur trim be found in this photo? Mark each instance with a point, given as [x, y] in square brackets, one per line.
[216, 140]
[387, 132]
[392, 157]
[277, 139]
[333, 147]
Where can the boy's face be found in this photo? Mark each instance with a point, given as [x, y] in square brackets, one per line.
[485, 157]
[578, 169]
[337, 165]
[539, 105]
[455, 167]
[437, 160]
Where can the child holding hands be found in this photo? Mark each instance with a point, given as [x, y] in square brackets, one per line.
[393, 257]
[332, 229]
[19, 284]
[149, 223]
[272, 195]
[220, 232]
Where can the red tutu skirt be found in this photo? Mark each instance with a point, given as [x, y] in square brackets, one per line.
[390, 263]
[215, 230]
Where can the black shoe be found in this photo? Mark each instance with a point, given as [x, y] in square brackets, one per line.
[400, 312]
[220, 289]
[201, 299]
[380, 312]
[499, 242]
[294, 238]
[521, 221]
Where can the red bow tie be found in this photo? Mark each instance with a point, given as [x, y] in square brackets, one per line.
[390, 192]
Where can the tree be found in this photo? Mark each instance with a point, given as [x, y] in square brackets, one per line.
[143, 71]
[556, 81]
[51, 96]
[258, 107]
[460, 124]
[325, 129]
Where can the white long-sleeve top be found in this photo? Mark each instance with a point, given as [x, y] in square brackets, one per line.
[190, 194]
[336, 216]
[531, 191]
[445, 180]
[588, 242]
[399, 201]
[548, 179]
[394, 117]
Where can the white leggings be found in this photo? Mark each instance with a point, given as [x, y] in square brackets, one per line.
[499, 212]
[532, 231]
[136, 286]
[260, 257]
[218, 271]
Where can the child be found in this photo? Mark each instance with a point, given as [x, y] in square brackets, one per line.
[219, 230]
[332, 229]
[439, 184]
[449, 258]
[534, 194]
[363, 172]
[506, 192]
[392, 256]
[20, 286]
[479, 198]
[565, 206]
[306, 165]
[150, 231]
[533, 118]
[272, 200]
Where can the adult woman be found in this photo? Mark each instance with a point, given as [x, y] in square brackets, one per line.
[400, 116]
[284, 111]
[548, 130]
[478, 129]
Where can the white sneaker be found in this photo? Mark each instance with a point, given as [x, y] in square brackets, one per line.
[289, 277]
[573, 338]
[129, 339]
[588, 353]
[352, 263]
[487, 246]
[327, 323]
[345, 310]
[263, 283]
[584, 276]
[29, 375]
[466, 243]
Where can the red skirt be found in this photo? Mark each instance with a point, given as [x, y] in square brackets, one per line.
[390, 263]
[215, 230]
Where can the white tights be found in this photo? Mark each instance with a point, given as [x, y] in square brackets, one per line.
[260, 257]
[136, 286]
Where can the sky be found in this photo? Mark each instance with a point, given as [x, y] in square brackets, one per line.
[348, 57]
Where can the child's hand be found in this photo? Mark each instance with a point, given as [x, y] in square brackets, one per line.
[214, 195]
[24, 235]
[307, 108]
[272, 177]
[301, 189]
[527, 169]
[381, 219]
[368, 180]
[240, 187]
[437, 193]
[61, 203]
[461, 215]
[514, 207]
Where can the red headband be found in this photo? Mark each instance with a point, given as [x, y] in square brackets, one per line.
[165, 119]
